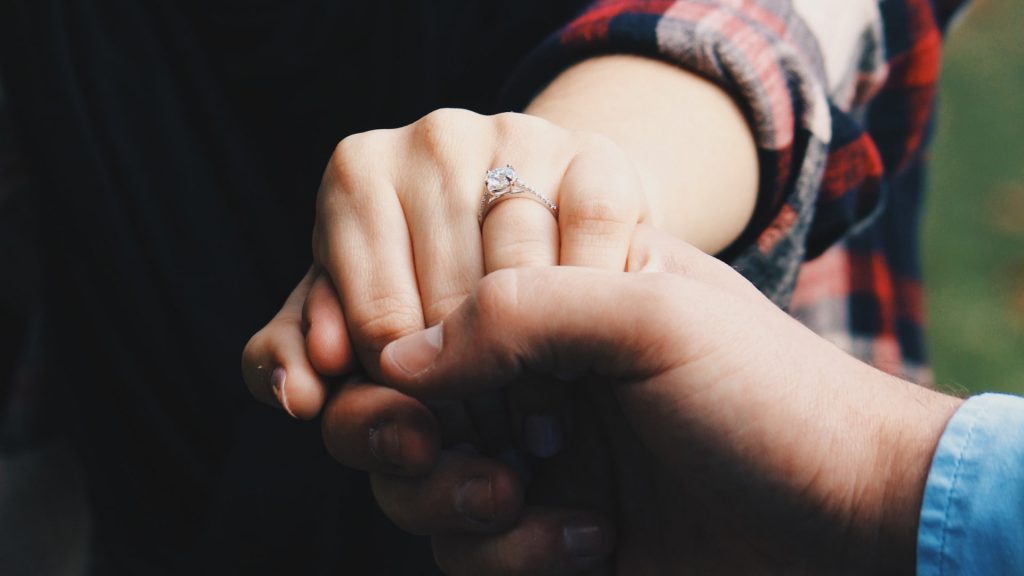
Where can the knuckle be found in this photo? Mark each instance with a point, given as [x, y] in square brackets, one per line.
[599, 150]
[348, 164]
[599, 217]
[438, 130]
[446, 117]
[339, 178]
[443, 305]
[522, 252]
[595, 143]
[344, 155]
[542, 135]
[381, 320]
[506, 122]
[360, 144]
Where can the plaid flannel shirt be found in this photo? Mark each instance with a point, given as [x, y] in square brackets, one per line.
[840, 96]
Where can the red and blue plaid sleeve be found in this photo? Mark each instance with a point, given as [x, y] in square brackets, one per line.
[865, 293]
[839, 95]
[760, 51]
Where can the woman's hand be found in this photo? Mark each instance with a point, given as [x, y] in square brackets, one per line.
[397, 230]
[397, 236]
[398, 246]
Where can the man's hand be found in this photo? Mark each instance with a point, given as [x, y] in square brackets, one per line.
[740, 442]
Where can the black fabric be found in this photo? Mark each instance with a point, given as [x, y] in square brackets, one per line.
[17, 264]
[175, 149]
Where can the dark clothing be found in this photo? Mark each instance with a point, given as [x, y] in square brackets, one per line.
[177, 149]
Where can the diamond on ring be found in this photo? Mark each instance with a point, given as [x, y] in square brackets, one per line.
[501, 178]
[503, 183]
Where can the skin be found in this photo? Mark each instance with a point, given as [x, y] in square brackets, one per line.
[742, 442]
[616, 141]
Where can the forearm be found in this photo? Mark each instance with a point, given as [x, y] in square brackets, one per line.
[690, 142]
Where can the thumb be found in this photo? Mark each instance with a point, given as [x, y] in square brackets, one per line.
[552, 321]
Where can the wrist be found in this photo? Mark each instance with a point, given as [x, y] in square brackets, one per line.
[911, 422]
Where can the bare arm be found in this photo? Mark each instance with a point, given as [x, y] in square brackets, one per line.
[690, 142]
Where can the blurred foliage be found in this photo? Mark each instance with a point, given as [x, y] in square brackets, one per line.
[974, 220]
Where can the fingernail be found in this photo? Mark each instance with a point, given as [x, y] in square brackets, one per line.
[415, 353]
[277, 381]
[583, 540]
[475, 500]
[386, 444]
[543, 435]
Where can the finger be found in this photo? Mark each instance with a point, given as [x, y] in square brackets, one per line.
[362, 242]
[601, 201]
[275, 365]
[545, 541]
[581, 477]
[463, 493]
[327, 344]
[545, 321]
[439, 183]
[520, 230]
[377, 429]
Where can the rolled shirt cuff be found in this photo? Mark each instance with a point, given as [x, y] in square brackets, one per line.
[972, 515]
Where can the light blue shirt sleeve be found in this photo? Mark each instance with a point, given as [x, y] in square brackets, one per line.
[972, 517]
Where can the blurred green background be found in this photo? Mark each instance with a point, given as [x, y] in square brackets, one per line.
[974, 220]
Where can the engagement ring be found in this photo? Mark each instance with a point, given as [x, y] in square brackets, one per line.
[502, 184]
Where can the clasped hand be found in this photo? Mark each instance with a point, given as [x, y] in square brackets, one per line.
[689, 445]
[397, 247]
[397, 238]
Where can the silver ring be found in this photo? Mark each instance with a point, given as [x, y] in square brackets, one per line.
[502, 184]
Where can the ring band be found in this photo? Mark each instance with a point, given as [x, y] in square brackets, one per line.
[502, 184]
